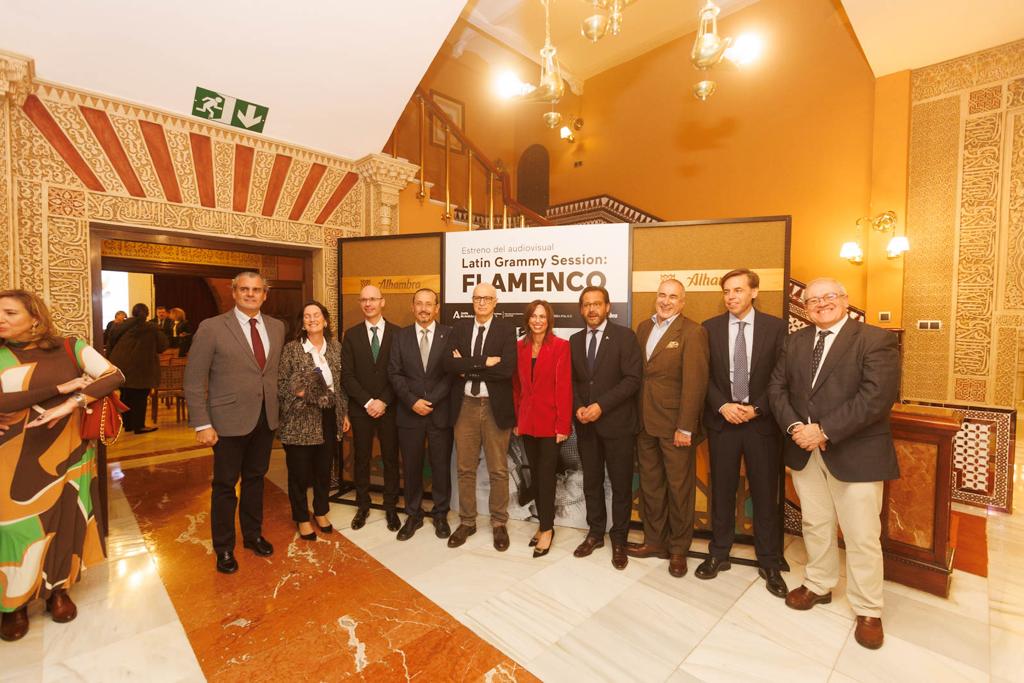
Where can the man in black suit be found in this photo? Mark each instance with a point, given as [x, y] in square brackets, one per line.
[364, 375]
[483, 358]
[744, 345]
[607, 369]
[422, 387]
[832, 391]
[163, 321]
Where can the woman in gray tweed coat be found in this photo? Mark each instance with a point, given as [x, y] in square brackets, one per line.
[314, 415]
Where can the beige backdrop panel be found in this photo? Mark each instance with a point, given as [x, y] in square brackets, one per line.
[398, 265]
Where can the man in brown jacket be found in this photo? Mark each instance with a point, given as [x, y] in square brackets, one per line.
[675, 381]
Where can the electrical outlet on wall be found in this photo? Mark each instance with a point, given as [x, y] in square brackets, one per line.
[884, 316]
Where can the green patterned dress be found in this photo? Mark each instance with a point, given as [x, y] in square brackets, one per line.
[49, 530]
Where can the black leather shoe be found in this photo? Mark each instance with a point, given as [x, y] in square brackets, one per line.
[226, 563]
[328, 529]
[441, 528]
[409, 528]
[145, 430]
[393, 521]
[774, 582]
[260, 546]
[311, 536]
[710, 567]
[360, 519]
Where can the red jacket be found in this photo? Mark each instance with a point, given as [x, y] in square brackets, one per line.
[543, 396]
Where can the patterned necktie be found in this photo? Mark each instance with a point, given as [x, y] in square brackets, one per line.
[819, 350]
[592, 351]
[257, 344]
[374, 344]
[424, 348]
[740, 372]
[478, 350]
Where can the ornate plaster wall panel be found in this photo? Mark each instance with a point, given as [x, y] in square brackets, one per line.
[148, 251]
[6, 201]
[223, 173]
[931, 226]
[131, 140]
[261, 166]
[1013, 292]
[31, 267]
[297, 172]
[184, 166]
[980, 68]
[985, 99]
[1015, 93]
[34, 157]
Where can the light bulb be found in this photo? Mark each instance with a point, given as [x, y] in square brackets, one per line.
[852, 252]
[703, 90]
[745, 50]
[507, 85]
[552, 119]
[897, 246]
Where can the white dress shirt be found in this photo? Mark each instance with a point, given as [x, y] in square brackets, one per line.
[748, 336]
[243, 320]
[599, 337]
[476, 330]
[320, 360]
[657, 332]
[380, 330]
[431, 328]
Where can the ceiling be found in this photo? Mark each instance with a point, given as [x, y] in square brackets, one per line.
[336, 75]
[908, 34]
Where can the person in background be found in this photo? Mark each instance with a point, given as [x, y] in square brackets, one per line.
[49, 505]
[542, 392]
[181, 331]
[422, 390]
[314, 415]
[162, 321]
[119, 317]
[365, 355]
[135, 348]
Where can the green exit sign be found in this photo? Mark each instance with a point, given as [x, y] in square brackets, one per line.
[216, 106]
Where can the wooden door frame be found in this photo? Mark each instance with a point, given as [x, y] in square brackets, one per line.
[104, 231]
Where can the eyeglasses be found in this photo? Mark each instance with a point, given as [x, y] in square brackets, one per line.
[370, 300]
[483, 299]
[821, 300]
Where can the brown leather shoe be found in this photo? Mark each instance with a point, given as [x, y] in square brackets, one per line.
[59, 605]
[589, 545]
[801, 598]
[645, 549]
[619, 557]
[677, 565]
[500, 538]
[14, 625]
[460, 535]
[869, 632]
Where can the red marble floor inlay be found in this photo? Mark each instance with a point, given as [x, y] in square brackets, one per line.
[312, 611]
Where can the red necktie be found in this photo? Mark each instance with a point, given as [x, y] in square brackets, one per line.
[257, 344]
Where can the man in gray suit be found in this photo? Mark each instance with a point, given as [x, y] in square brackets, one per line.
[231, 389]
[831, 392]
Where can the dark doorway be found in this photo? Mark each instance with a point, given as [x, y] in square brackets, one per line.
[533, 179]
[190, 293]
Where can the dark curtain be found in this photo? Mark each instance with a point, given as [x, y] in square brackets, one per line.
[187, 292]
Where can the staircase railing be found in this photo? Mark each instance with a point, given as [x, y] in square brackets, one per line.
[513, 213]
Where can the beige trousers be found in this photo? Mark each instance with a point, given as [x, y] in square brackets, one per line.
[856, 506]
[475, 428]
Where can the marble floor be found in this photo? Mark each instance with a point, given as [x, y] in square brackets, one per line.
[362, 605]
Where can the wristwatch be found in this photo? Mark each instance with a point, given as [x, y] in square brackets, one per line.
[80, 400]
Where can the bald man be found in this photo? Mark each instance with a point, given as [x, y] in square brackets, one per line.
[365, 353]
[483, 360]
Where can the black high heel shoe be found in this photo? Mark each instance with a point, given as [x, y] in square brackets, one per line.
[541, 552]
[323, 529]
[311, 536]
[533, 541]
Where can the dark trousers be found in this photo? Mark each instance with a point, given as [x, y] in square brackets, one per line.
[439, 446]
[542, 452]
[311, 466]
[364, 428]
[762, 456]
[668, 480]
[246, 457]
[136, 400]
[615, 454]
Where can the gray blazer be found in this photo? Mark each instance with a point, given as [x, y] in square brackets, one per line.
[224, 386]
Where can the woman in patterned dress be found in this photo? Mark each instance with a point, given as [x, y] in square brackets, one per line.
[49, 531]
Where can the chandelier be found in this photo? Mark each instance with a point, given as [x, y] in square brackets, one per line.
[598, 25]
[710, 49]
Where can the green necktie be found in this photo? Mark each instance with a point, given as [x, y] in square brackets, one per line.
[374, 344]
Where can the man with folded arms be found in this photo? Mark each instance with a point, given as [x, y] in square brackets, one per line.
[832, 391]
[675, 380]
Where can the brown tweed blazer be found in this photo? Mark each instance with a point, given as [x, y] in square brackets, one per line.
[675, 379]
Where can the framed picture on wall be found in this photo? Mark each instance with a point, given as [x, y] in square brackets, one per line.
[456, 111]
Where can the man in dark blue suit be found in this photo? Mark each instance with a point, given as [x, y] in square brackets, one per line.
[422, 388]
[607, 368]
[744, 345]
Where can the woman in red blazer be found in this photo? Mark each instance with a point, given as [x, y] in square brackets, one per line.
[542, 389]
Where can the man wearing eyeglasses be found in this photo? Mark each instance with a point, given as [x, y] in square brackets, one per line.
[832, 391]
[365, 352]
[483, 358]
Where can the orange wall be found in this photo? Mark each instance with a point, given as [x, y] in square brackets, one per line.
[790, 135]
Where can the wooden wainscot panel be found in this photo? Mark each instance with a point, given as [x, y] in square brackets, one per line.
[915, 512]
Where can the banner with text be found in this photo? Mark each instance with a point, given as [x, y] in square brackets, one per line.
[554, 264]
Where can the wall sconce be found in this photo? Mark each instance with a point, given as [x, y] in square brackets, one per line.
[883, 223]
[567, 133]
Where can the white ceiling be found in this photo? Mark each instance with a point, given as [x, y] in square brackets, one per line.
[335, 74]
